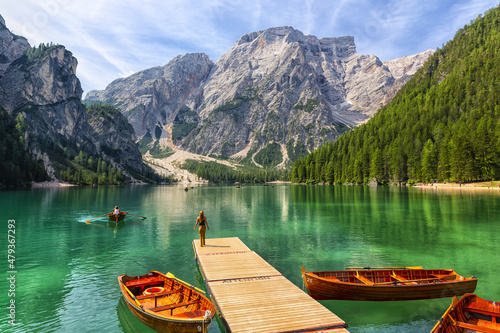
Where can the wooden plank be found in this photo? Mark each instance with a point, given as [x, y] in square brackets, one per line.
[476, 328]
[173, 306]
[252, 296]
[235, 266]
[156, 295]
[220, 245]
[270, 304]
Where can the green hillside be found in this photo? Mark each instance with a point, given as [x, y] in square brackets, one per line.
[443, 125]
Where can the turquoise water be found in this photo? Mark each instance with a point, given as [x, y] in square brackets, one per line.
[66, 270]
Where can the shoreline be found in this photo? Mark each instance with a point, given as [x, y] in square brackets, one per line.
[47, 184]
[491, 185]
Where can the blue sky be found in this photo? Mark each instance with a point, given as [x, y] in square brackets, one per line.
[115, 38]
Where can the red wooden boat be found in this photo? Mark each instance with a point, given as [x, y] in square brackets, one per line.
[387, 284]
[470, 314]
[167, 304]
[117, 218]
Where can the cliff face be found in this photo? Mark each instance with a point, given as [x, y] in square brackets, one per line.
[151, 99]
[47, 91]
[12, 47]
[113, 136]
[272, 86]
[41, 85]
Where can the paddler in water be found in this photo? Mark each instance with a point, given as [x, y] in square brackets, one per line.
[202, 221]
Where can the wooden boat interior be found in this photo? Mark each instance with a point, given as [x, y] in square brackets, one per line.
[166, 297]
[391, 277]
[476, 314]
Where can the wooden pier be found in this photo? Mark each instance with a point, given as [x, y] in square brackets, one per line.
[252, 296]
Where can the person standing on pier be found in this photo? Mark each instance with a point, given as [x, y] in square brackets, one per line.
[202, 222]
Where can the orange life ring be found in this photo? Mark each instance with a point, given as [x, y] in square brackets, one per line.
[153, 290]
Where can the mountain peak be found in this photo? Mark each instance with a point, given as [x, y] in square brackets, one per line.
[269, 34]
[274, 87]
[12, 47]
[338, 46]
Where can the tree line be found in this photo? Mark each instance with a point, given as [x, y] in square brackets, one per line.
[17, 166]
[40, 51]
[220, 173]
[89, 170]
[443, 125]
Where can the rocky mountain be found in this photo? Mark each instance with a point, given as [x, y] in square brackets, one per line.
[40, 86]
[273, 88]
[11, 46]
[152, 98]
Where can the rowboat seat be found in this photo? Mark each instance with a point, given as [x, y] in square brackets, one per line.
[483, 311]
[333, 278]
[444, 276]
[400, 278]
[193, 314]
[173, 306]
[476, 328]
[485, 308]
[363, 279]
[145, 282]
[165, 293]
[486, 323]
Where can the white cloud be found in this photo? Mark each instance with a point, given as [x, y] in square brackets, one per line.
[112, 38]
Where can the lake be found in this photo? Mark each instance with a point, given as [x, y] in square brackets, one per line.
[66, 270]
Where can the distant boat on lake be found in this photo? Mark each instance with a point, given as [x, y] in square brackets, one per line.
[117, 218]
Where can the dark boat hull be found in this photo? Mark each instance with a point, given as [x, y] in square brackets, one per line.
[322, 288]
[113, 217]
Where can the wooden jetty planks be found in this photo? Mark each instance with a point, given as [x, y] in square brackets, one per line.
[235, 266]
[268, 304]
[220, 245]
[252, 296]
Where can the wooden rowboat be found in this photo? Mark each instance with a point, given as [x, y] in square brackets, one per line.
[470, 314]
[387, 284]
[117, 218]
[167, 304]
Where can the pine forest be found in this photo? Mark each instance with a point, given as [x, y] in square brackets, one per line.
[443, 125]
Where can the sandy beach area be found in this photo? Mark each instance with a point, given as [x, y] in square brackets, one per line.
[50, 184]
[479, 186]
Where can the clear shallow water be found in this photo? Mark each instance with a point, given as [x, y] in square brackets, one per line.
[67, 270]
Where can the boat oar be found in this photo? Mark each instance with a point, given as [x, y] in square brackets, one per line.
[405, 267]
[96, 218]
[144, 217]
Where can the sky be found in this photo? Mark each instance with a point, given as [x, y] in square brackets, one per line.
[116, 38]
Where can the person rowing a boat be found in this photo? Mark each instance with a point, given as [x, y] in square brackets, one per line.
[116, 211]
[202, 221]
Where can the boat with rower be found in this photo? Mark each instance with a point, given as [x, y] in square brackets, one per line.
[116, 217]
[386, 283]
[167, 304]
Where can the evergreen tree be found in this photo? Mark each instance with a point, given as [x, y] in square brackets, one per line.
[444, 124]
